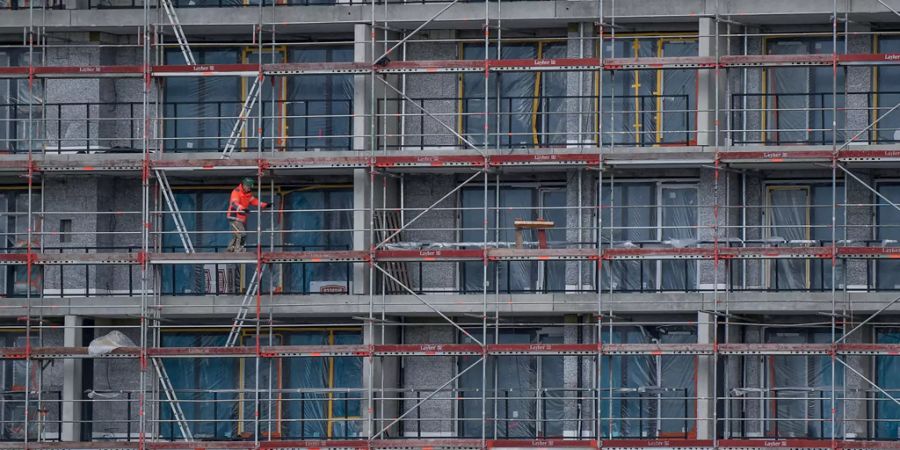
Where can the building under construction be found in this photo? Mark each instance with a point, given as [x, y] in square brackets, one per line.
[493, 224]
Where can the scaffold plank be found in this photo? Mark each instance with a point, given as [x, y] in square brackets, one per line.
[542, 254]
[456, 65]
[187, 162]
[464, 443]
[425, 255]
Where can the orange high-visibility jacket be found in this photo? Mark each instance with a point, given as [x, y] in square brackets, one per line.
[239, 203]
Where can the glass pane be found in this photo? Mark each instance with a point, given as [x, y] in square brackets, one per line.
[789, 219]
[205, 387]
[888, 231]
[887, 412]
[320, 107]
[554, 203]
[888, 94]
[511, 100]
[679, 222]
[201, 111]
[679, 91]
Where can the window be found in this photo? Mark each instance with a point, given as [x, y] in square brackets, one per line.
[201, 111]
[320, 107]
[887, 413]
[799, 388]
[206, 388]
[887, 94]
[648, 395]
[14, 239]
[647, 214]
[649, 107]
[529, 396]
[14, 107]
[314, 397]
[799, 215]
[798, 101]
[525, 109]
[65, 231]
[888, 232]
[315, 220]
[517, 202]
[12, 400]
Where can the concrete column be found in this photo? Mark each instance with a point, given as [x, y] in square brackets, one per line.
[72, 386]
[423, 375]
[580, 87]
[361, 221]
[362, 53]
[706, 385]
[708, 87]
[386, 375]
[858, 82]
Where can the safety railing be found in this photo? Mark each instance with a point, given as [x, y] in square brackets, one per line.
[298, 124]
[130, 4]
[221, 414]
[791, 118]
[536, 121]
[87, 127]
[790, 412]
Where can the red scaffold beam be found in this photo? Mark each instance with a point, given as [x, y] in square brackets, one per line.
[447, 255]
[539, 158]
[466, 443]
[455, 65]
[447, 349]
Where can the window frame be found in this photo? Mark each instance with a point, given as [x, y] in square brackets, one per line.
[241, 381]
[634, 90]
[657, 187]
[538, 94]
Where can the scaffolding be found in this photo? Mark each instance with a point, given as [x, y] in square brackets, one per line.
[380, 260]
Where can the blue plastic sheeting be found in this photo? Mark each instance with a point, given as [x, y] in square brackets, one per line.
[516, 203]
[887, 368]
[799, 388]
[312, 397]
[631, 214]
[317, 230]
[644, 395]
[523, 386]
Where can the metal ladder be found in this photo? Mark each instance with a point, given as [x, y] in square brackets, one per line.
[185, 237]
[180, 227]
[246, 109]
[179, 32]
[169, 390]
[252, 288]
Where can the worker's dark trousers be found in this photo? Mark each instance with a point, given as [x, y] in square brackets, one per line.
[238, 236]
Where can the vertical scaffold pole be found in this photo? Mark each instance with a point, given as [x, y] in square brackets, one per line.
[598, 210]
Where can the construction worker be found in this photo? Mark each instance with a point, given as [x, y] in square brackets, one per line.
[241, 200]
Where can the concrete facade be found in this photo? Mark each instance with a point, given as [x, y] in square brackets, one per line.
[526, 302]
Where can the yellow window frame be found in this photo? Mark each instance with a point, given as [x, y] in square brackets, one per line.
[331, 418]
[636, 38]
[539, 50]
